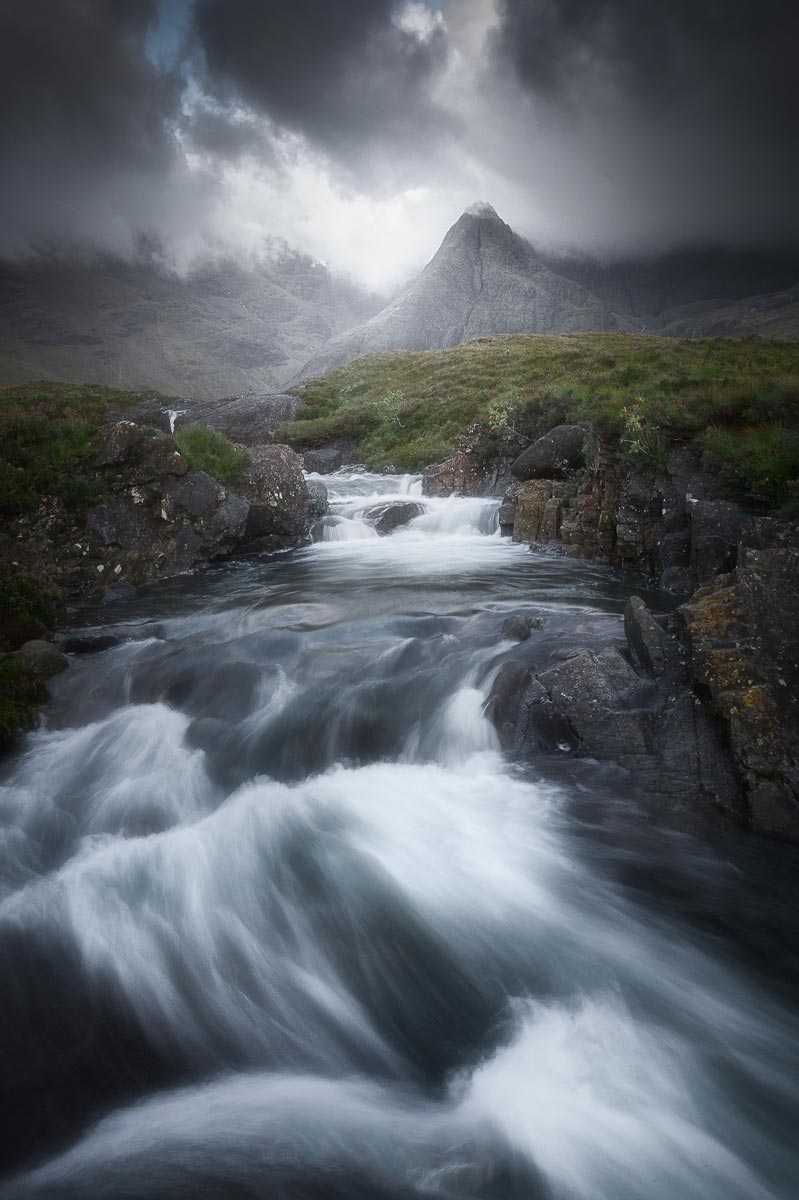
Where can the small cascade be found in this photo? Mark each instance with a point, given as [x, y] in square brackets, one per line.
[346, 529]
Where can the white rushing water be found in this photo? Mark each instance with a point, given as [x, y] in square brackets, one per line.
[280, 920]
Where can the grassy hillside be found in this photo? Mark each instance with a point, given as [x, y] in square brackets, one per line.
[409, 409]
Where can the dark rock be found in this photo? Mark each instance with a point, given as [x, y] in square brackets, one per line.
[653, 650]
[740, 640]
[250, 420]
[519, 626]
[159, 457]
[317, 499]
[561, 450]
[596, 694]
[228, 523]
[674, 549]
[122, 442]
[460, 475]
[523, 714]
[715, 528]
[392, 514]
[275, 486]
[326, 459]
[88, 643]
[197, 494]
[151, 452]
[43, 658]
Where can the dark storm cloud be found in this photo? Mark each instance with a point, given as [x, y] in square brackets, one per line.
[228, 136]
[348, 76]
[84, 110]
[698, 97]
[74, 74]
[634, 123]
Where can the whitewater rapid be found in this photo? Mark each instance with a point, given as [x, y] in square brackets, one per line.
[279, 919]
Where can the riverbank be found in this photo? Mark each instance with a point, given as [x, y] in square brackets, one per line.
[94, 504]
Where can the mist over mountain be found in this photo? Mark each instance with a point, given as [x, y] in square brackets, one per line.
[223, 328]
[226, 328]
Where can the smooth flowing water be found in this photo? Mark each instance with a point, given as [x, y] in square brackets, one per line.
[279, 919]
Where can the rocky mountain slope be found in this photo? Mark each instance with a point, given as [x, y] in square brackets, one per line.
[219, 331]
[486, 281]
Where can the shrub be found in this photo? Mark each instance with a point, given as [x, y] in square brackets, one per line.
[208, 450]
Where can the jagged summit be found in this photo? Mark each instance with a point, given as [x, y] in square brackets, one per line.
[482, 209]
[484, 280]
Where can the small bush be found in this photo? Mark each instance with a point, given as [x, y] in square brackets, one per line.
[208, 450]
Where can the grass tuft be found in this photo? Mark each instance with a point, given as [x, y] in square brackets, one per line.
[208, 450]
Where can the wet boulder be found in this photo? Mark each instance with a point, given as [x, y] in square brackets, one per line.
[274, 484]
[42, 658]
[324, 460]
[654, 651]
[147, 452]
[317, 499]
[522, 712]
[459, 475]
[392, 514]
[519, 626]
[561, 450]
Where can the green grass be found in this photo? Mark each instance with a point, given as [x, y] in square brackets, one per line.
[208, 450]
[678, 387]
[48, 441]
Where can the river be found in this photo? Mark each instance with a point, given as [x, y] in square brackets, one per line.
[280, 920]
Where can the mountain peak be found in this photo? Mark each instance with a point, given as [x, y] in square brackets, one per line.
[483, 210]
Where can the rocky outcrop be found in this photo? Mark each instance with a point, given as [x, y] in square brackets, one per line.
[274, 486]
[324, 460]
[155, 517]
[702, 706]
[670, 524]
[741, 630]
[460, 475]
[392, 514]
[598, 704]
[563, 449]
[719, 720]
[249, 420]
[318, 503]
[42, 658]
